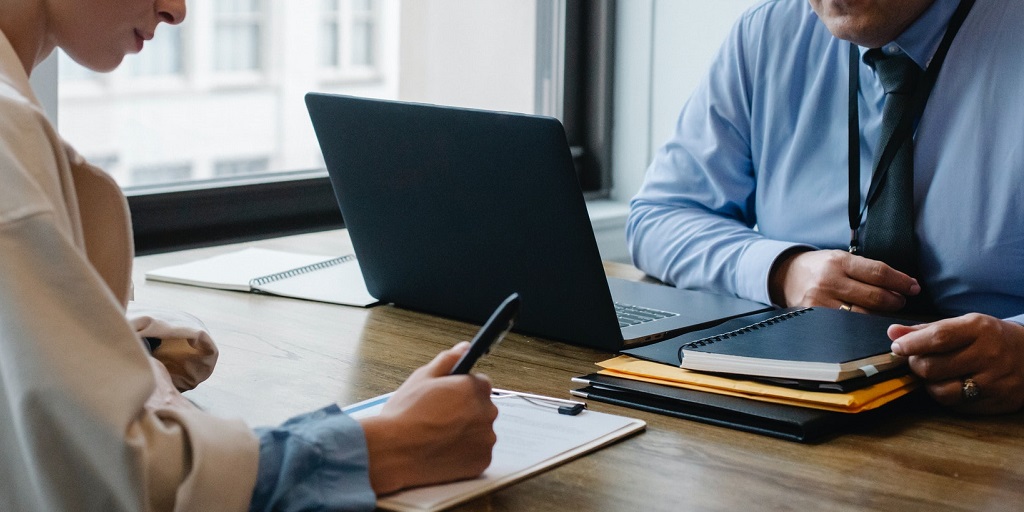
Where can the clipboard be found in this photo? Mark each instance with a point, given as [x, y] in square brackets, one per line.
[533, 436]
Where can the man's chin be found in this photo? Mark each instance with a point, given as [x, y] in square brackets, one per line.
[850, 29]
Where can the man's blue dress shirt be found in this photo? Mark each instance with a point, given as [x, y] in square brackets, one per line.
[758, 160]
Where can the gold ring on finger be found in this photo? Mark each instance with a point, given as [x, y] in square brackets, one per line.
[969, 390]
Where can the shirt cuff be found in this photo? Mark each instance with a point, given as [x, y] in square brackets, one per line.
[1019, 319]
[756, 264]
[315, 461]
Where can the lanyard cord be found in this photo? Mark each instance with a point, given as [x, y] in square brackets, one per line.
[905, 127]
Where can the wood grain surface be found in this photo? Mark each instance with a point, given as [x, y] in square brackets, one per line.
[281, 357]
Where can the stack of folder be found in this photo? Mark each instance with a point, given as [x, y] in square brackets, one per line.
[765, 390]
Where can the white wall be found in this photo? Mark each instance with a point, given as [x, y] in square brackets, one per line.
[663, 49]
[442, 59]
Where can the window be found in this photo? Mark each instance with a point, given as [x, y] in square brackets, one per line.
[238, 27]
[165, 56]
[241, 167]
[161, 173]
[230, 80]
[330, 34]
[108, 161]
[362, 33]
[348, 36]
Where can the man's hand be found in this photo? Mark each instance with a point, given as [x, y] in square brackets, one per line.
[834, 278]
[435, 428]
[984, 349]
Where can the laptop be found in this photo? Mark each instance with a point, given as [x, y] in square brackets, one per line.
[450, 210]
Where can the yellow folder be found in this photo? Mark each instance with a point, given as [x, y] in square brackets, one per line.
[855, 401]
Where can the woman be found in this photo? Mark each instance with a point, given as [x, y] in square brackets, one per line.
[88, 419]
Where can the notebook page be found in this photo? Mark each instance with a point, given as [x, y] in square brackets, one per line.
[341, 283]
[531, 438]
[234, 270]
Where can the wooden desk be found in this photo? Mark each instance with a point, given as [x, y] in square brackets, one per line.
[281, 357]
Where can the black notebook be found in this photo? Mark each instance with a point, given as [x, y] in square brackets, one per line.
[814, 344]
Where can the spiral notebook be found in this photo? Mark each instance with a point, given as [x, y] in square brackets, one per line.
[816, 344]
[335, 280]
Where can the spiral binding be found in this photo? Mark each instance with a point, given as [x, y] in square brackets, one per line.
[752, 327]
[260, 281]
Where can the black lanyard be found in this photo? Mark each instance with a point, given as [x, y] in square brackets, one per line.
[904, 129]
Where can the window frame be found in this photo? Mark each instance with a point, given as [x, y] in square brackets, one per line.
[213, 212]
[588, 92]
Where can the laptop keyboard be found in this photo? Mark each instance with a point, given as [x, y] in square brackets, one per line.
[630, 315]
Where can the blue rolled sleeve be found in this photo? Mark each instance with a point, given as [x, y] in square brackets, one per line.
[316, 461]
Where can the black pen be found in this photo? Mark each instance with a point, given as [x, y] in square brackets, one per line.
[492, 332]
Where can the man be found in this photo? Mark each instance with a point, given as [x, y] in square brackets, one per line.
[751, 194]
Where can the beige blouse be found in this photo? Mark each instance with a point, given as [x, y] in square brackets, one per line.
[88, 421]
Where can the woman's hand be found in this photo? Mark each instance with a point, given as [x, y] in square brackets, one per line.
[435, 428]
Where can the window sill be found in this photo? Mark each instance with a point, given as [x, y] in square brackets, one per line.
[609, 221]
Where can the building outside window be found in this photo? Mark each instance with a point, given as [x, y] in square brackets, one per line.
[330, 34]
[165, 55]
[238, 27]
[241, 167]
[228, 83]
[161, 173]
[348, 35]
[362, 40]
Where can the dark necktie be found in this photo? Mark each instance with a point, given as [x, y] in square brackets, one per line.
[889, 228]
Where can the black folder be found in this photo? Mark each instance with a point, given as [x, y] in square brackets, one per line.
[777, 420]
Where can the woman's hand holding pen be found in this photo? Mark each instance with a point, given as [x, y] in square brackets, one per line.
[435, 428]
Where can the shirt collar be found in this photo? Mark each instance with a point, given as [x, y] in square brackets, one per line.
[921, 39]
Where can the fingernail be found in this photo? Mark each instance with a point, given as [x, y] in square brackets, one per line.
[915, 288]
[896, 349]
[461, 344]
